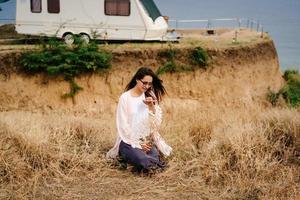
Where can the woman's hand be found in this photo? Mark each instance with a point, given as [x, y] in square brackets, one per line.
[146, 147]
[149, 101]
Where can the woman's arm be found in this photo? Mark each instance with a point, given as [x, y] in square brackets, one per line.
[123, 127]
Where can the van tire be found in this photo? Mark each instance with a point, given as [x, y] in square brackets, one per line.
[68, 38]
[85, 38]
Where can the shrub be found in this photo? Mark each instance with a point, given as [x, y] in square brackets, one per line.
[288, 73]
[290, 92]
[55, 58]
[169, 53]
[199, 57]
[170, 65]
[273, 97]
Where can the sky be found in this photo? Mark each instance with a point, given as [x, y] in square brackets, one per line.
[8, 11]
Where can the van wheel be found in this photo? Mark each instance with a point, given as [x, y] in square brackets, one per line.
[69, 38]
[85, 38]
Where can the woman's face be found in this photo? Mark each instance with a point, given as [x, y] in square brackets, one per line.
[144, 84]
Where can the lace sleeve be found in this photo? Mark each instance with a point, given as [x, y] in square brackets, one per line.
[155, 118]
[155, 122]
[161, 144]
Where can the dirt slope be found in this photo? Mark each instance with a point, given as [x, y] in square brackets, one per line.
[237, 75]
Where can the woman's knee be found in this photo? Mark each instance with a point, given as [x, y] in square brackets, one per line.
[142, 161]
[134, 156]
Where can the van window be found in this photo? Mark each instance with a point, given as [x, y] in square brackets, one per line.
[53, 6]
[36, 6]
[117, 7]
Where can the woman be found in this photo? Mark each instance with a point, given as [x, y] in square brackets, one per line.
[138, 119]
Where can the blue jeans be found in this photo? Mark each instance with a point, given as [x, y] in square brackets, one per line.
[139, 159]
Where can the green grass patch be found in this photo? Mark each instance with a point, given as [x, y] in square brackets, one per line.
[167, 67]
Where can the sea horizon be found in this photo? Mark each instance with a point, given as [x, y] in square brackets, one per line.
[284, 28]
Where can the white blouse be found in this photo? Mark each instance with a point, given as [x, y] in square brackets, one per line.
[136, 122]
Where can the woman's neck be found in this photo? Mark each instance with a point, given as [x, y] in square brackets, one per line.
[136, 92]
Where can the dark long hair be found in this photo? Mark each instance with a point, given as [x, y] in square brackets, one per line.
[157, 84]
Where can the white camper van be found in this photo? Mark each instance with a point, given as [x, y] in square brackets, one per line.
[91, 19]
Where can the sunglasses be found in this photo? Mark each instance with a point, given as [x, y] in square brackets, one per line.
[145, 83]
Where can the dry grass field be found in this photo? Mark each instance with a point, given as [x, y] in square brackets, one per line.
[234, 154]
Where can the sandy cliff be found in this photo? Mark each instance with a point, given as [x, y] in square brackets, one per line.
[237, 76]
